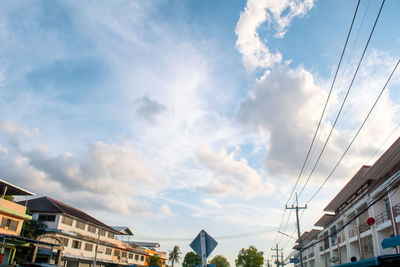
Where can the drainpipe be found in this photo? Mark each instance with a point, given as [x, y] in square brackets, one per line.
[393, 220]
[5, 190]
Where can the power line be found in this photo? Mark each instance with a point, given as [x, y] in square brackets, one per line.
[344, 100]
[355, 136]
[322, 115]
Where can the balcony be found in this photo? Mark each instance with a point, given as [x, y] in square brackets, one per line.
[353, 232]
[14, 209]
[364, 227]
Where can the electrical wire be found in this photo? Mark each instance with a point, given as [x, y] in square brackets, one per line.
[355, 136]
[344, 100]
[322, 115]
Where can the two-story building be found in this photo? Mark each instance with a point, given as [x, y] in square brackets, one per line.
[363, 214]
[84, 238]
[12, 217]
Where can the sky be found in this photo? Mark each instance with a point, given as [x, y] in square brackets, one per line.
[175, 116]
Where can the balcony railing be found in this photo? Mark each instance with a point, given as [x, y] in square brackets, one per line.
[353, 232]
[364, 227]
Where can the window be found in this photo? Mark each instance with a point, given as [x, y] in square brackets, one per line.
[9, 224]
[88, 247]
[67, 220]
[65, 241]
[102, 232]
[111, 235]
[387, 207]
[130, 255]
[136, 257]
[47, 218]
[91, 228]
[142, 258]
[124, 254]
[108, 251]
[76, 244]
[116, 253]
[80, 225]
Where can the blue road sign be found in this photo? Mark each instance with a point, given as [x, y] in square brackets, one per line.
[294, 260]
[391, 242]
[209, 242]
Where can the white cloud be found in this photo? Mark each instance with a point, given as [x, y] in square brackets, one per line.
[165, 211]
[231, 176]
[278, 13]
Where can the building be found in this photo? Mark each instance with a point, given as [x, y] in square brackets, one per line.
[83, 237]
[12, 217]
[360, 217]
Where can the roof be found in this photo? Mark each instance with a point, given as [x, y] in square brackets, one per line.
[144, 244]
[13, 190]
[48, 204]
[124, 230]
[388, 162]
[325, 220]
[349, 189]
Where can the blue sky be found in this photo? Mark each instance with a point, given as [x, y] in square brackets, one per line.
[176, 116]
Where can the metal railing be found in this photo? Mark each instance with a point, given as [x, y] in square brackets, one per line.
[353, 232]
[364, 227]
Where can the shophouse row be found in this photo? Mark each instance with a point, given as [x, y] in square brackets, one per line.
[362, 221]
[72, 238]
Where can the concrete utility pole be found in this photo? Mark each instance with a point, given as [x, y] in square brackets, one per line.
[277, 254]
[297, 208]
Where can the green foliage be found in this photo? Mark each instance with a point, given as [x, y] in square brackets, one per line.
[220, 261]
[250, 257]
[9, 198]
[33, 229]
[191, 259]
[174, 255]
[155, 260]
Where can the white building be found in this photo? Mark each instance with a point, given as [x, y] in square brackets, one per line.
[80, 234]
[372, 196]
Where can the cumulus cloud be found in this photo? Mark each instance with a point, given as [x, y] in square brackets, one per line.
[278, 13]
[165, 211]
[15, 131]
[231, 176]
[148, 109]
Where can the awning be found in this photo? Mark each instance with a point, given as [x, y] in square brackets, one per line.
[25, 240]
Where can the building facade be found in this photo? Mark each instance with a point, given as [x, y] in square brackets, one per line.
[84, 238]
[363, 214]
[12, 217]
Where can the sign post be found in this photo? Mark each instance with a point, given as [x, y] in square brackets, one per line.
[203, 245]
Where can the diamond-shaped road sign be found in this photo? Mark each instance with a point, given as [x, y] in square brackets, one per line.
[210, 244]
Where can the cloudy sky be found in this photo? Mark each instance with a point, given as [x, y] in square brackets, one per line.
[174, 116]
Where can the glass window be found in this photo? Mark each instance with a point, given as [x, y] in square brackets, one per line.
[130, 255]
[136, 257]
[111, 235]
[108, 251]
[67, 220]
[88, 246]
[116, 252]
[9, 224]
[124, 254]
[76, 244]
[142, 258]
[47, 217]
[91, 228]
[65, 241]
[103, 232]
[80, 225]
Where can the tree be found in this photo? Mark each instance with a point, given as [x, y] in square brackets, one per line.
[32, 229]
[155, 260]
[191, 259]
[250, 257]
[174, 255]
[220, 261]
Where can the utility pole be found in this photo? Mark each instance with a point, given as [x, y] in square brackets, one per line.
[297, 208]
[277, 254]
